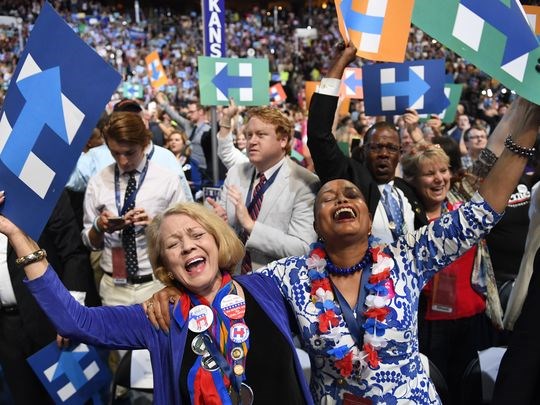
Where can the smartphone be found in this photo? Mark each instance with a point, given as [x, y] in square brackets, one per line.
[116, 221]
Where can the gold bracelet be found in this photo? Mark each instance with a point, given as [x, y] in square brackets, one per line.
[31, 258]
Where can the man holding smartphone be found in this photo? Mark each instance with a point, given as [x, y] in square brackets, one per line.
[119, 202]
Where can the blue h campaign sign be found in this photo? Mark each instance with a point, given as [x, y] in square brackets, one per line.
[391, 88]
[214, 33]
[70, 376]
[56, 95]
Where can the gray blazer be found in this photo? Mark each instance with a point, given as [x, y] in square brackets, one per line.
[284, 226]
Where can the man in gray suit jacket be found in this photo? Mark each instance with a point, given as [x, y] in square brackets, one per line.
[269, 200]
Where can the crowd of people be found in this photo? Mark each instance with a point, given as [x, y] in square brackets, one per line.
[371, 241]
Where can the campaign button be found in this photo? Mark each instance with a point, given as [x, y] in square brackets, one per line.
[198, 346]
[200, 318]
[238, 369]
[237, 353]
[233, 306]
[208, 363]
[239, 332]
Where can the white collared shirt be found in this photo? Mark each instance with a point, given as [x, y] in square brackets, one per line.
[160, 189]
[7, 295]
[267, 173]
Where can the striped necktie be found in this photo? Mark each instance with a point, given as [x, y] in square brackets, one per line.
[253, 210]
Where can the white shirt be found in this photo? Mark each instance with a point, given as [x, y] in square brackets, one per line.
[267, 174]
[7, 295]
[160, 188]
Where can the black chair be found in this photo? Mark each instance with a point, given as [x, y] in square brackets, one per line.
[438, 380]
[504, 293]
[471, 385]
[122, 378]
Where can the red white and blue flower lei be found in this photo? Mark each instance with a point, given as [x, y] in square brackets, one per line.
[379, 292]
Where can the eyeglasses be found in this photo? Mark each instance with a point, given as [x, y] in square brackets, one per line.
[378, 147]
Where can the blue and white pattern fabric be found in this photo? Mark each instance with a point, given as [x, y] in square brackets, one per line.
[400, 377]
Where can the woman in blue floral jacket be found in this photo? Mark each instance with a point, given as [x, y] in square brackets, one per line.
[356, 304]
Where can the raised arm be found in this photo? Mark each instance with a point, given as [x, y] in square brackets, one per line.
[26, 249]
[227, 152]
[521, 124]
[329, 161]
[72, 320]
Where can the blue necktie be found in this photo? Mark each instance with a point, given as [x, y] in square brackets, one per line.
[128, 233]
[394, 211]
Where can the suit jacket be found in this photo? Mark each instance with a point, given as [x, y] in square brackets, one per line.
[66, 253]
[518, 378]
[331, 163]
[284, 226]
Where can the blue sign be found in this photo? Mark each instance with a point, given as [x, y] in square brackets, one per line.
[391, 88]
[56, 95]
[214, 29]
[71, 376]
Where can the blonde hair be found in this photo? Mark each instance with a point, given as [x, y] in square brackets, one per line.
[412, 161]
[230, 248]
[271, 115]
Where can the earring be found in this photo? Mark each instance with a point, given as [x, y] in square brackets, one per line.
[170, 275]
[320, 239]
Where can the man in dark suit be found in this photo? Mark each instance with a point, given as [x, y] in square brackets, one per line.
[376, 175]
[24, 328]
[519, 372]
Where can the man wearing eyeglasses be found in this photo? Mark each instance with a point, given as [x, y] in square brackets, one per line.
[392, 203]
[476, 139]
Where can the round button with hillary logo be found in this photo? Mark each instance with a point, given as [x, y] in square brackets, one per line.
[233, 306]
[200, 318]
[239, 332]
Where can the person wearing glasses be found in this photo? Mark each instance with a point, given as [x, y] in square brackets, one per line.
[392, 203]
[476, 140]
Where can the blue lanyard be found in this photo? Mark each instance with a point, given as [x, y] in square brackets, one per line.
[131, 198]
[355, 319]
[261, 191]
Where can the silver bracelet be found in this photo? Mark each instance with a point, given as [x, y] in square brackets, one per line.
[31, 258]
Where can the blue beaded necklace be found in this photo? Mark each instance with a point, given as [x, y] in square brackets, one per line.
[344, 271]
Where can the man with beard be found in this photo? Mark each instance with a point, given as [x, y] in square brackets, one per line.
[392, 203]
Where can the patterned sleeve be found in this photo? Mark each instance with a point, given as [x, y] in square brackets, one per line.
[285, 273]
[435, 246]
